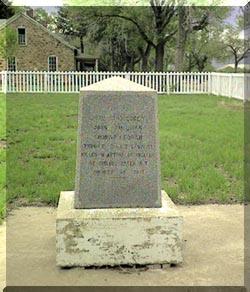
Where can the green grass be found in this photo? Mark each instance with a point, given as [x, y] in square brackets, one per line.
[201, 141]
[202, 148]
[2, 155]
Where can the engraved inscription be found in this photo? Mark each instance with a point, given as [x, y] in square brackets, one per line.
[120, 148]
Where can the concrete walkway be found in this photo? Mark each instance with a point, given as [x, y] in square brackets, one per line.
[213, 252]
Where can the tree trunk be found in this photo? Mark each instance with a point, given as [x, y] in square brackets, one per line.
[181, 40]
[201, 66]
[190, 63]
[112, 60]
[159, 57]
[81, 44]
[127, 63]
[202, 63]
[130, 64]
[112, 57]
[144, 63]
[144, 57]
[236, 63]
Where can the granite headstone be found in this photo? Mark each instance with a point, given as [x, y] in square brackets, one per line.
[118, 163]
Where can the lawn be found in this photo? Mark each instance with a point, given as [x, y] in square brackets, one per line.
[2, 155]
[201, 145]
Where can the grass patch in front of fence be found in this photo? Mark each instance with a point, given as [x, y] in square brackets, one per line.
[201, 141]
[2, 155]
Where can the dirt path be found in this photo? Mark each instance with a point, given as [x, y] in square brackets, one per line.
[213, 252]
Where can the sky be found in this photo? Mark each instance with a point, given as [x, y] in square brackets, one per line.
[49, 9]
[231, 19]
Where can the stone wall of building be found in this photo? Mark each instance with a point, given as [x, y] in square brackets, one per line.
[40, 45]
[2, 64]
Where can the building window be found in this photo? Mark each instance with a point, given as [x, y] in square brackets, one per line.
[11, 64]
[52, 63]
[21, 36]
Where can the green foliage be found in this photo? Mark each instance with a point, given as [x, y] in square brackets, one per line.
[205, 45]
[202, 48]
[119, 43]
[234, 43]
[8, 42]
[42, 16]
[123, 34]
[229, 69]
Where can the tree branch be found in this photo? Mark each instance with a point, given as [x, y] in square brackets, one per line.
[243, 55]
[141, 31]
[232, 48]
[200, 25]
[167, 37]
[171, 13]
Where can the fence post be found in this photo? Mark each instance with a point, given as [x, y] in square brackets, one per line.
[168, 86]
[127, 76]
[210, 91]
[45, 81]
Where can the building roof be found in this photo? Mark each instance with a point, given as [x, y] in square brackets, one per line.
[2, 21]
[16, 16]
[5, 22]
[81, 56]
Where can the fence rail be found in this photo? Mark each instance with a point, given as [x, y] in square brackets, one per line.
[231, 85]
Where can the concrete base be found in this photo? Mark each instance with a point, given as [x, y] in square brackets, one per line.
[97, 237]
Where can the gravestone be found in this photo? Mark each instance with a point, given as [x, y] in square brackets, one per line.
[117, 214]
[118, 163]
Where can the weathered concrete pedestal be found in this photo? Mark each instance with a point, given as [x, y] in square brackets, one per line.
[116, 236]
[118, 213]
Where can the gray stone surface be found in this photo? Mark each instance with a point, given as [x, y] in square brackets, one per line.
[118, 162]
[116, 236]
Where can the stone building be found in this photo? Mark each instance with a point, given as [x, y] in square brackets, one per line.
[38, 49]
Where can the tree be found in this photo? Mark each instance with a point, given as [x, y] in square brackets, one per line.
[120, 44]
[202, 47]
[237, 47]
[72, 21]
[122, 47]
[144, 53]
[8, 42]
[42, 16]
[187, 24]
[192, 19]
[155, 24]
[234, 41]
[6, 10]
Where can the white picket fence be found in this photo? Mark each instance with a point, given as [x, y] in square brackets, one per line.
[231, 85]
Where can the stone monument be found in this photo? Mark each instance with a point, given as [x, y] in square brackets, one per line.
[117, 213]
